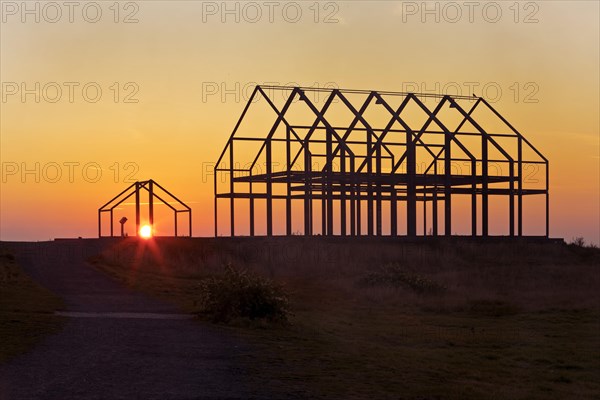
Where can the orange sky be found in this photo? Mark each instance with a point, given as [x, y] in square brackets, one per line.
[175, 61]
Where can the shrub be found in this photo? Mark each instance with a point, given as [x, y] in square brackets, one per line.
[578, 241]
[394, 275]
[8, 271]
[241, 294]
[492, 308]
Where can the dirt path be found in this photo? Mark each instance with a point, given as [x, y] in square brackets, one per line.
[118, 344]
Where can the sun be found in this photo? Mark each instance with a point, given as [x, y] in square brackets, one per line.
[146, 231]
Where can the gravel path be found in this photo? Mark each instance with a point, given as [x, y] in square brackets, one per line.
[118, 344]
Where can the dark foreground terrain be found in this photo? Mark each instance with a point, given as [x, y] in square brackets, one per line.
[116, 343]
[369, 318]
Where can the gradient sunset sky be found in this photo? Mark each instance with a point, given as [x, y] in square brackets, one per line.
[162, 67]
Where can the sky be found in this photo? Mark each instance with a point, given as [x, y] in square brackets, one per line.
[96, 95]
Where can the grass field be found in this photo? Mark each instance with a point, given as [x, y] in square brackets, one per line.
[385, 319]
[26, 310]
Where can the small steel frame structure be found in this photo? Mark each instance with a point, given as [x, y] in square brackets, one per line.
[151, 187]
[336, 171]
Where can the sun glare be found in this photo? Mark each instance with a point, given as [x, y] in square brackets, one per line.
[146, 231]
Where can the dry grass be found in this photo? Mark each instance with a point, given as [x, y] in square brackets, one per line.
[26, 310]
[508, 320]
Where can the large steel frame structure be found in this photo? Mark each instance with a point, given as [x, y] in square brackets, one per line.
[152, 188]
[381, 167]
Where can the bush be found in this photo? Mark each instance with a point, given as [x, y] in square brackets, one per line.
[578, 242]
[492, 308]
[241, 294]
[394, 275]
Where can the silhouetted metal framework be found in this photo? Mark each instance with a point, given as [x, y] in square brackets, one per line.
[151, 187]
[352, 179]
